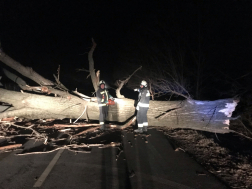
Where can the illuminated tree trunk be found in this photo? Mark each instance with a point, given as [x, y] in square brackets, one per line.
[94, 77]
[210, 116]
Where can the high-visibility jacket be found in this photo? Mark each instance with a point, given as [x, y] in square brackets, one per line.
[143, 97]
[102, 96]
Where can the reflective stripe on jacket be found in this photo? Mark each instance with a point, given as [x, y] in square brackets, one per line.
[144, 97]
[140, 104]
[102, 96]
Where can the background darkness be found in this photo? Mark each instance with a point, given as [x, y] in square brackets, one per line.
[45, 34]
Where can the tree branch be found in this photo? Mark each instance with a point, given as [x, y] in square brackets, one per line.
[121, 83]
[25, 71]
[94, 79]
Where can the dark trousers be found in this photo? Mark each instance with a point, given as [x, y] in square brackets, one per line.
[103, 114]
[142, 116]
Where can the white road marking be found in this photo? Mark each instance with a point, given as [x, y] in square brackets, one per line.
[48, 169]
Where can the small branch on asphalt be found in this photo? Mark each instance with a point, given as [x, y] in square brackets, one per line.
[29, 128]
[177, 149]
[68, 147]
[63, 125]
[9, 147]
[86, 131]
[37, 134]
[112, 144]
[128, 123]
[46, 152]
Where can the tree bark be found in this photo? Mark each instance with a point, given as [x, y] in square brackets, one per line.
[9, 147]
[35, 106]
[25, 71]
[210, 116]
[94, 78]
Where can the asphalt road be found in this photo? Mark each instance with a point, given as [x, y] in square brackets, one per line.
[142, 164]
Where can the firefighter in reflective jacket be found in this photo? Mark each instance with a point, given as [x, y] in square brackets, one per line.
[102, 97]
[142, 107]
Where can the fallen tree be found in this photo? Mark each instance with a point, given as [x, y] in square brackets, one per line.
[201, 115]
[54, 100]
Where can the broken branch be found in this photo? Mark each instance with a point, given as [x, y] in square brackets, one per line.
[10, 147]
[121, 83]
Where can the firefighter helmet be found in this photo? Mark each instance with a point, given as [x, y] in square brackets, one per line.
[144, 83]
[102, 82]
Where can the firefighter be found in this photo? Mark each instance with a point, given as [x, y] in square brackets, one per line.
[142, 107]
[102, 97]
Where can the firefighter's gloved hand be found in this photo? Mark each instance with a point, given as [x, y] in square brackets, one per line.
[135, 89]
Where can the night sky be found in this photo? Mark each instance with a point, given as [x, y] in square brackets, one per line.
[45, 34]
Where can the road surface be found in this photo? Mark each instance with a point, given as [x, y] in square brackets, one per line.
[146, 164]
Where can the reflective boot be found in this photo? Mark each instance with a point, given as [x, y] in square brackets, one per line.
[131, 174]
[102, 127]
[139, 130]
[145, 129]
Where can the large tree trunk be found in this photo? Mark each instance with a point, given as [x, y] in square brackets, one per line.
[36, 106]
[201, 115]
[210, 116]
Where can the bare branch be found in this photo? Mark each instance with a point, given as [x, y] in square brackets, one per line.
[60, 85]
[91, 66]
[21, 83]
[29, 128]
[9, 147]
[58, 71]
[121, 83]
[82, 69]
[25, 71]
[85, 97]
[64, 125]
[86, 131]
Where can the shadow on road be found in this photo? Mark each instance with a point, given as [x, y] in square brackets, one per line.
[115, 172]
